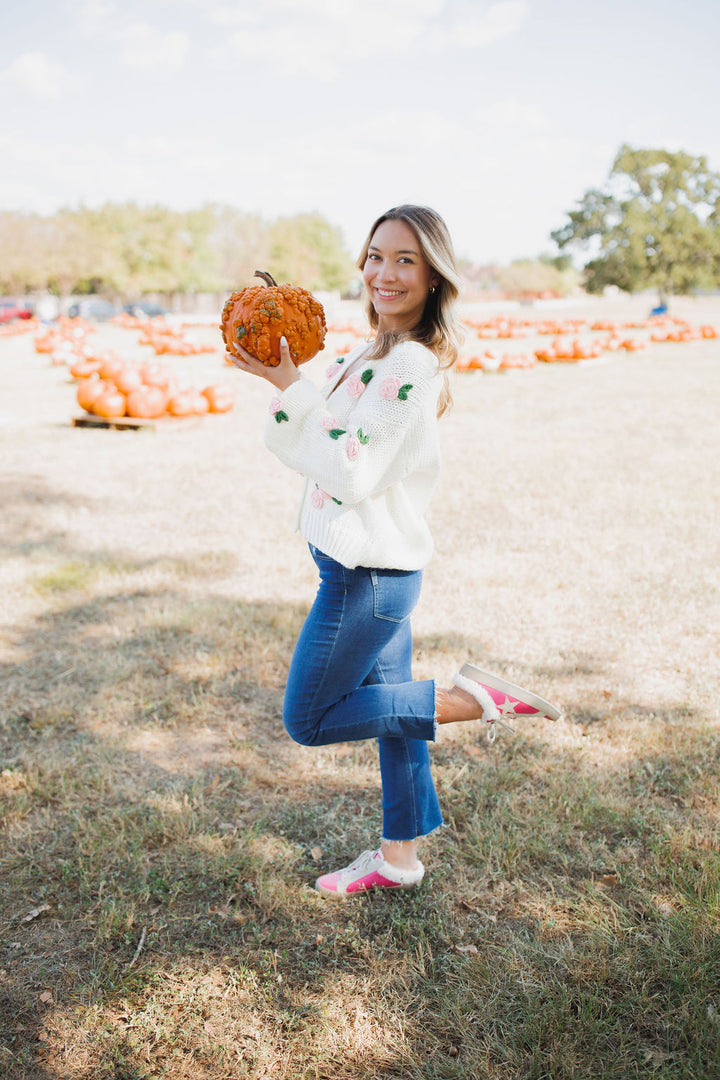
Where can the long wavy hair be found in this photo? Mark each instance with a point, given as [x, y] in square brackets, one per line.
[439, 327]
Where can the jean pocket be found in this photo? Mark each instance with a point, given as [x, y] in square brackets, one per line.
[395, 593]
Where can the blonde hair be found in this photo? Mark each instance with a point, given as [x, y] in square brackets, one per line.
[439, 328]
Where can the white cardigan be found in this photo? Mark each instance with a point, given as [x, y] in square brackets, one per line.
[369, 451]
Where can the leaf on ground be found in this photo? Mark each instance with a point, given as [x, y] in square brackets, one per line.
[606, 881]
[46, 997]
[317, 853]
[471, 949]
[656, 1057]
[37, 911]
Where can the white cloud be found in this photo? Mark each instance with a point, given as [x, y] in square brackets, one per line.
[317, 37]
[477, 26]
[92, 16]
[144, 46]
[35, 74]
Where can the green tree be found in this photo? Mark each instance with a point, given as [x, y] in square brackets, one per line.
[308, 251]
[654, 224]
[239, 244]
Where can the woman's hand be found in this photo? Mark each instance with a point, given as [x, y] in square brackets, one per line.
[281, 376]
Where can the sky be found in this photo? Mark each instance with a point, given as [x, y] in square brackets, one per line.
[500, 115]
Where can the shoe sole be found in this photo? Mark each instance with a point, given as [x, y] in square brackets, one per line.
[331, 894]
[519, 693]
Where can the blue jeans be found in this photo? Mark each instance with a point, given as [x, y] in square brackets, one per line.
[351, 679]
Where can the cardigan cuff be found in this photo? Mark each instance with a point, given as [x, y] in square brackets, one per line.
[298, 399]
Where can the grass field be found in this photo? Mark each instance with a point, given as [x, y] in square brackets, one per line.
[161, 833]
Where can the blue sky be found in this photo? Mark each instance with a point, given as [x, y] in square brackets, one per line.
[498, 114]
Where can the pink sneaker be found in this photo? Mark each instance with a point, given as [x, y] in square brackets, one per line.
[501, 700]
[369, 871]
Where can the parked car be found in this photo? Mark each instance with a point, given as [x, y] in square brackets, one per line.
[93, 308]
[13, 309]
[145, 309]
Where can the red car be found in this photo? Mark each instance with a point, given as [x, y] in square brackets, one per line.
[11, 309]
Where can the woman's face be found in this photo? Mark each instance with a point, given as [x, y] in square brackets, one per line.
[397, 276]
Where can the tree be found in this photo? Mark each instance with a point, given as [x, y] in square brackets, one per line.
[308, 251]
[655, 223]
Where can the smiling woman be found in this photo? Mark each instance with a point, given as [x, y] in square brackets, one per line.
[369, 449]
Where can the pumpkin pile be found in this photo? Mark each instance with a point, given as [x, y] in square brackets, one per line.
[111, 387]
[258, 316]
[18, 326]
[561, 350]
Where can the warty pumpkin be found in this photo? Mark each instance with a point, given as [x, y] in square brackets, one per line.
[258, 316]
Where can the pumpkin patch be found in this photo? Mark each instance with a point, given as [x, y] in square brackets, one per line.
[574, 340]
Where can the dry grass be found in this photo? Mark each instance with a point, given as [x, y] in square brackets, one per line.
[161, 831]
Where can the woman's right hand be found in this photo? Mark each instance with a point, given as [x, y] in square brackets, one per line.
[281, 376]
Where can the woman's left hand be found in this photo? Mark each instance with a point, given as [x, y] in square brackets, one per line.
[281, 376]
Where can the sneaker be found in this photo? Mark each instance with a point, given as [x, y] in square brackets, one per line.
[502, 700]
[369, 871]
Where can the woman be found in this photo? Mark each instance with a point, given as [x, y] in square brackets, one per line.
[368, 447]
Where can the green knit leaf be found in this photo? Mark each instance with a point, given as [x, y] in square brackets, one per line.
[336, 432]
[403, 391]
[367, 376]
[280, 416]
[363, 438]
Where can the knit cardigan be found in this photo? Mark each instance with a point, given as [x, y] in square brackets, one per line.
[369, 451]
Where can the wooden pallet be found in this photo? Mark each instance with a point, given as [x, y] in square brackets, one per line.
[133, 423]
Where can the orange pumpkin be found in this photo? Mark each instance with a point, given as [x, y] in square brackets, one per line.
[83, 368]
[188, 402]
[127, 379]
[110, 366]
[155, 373]
[258, 316]
[88, 391]
[147, 402]
[110, 402]
[220, 397]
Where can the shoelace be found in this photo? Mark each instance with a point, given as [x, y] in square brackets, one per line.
[492, 730]
[362, 863]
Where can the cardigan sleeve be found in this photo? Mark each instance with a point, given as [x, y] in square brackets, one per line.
[378, 442]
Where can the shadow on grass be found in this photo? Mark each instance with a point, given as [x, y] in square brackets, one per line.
[162, 834]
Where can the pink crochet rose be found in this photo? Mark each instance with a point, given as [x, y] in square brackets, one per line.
[354, 386]
[277, 410]
[328, 423]
[353, 447]
[389, 387]
[319, 498]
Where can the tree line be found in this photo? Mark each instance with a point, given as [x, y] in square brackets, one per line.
[654, 223]
[131, 250]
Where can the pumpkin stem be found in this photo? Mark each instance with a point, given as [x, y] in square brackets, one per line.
[267, 278]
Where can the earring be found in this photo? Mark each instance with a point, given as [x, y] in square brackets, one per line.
[432, 289]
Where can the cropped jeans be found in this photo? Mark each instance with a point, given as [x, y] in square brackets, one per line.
[351, 679]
